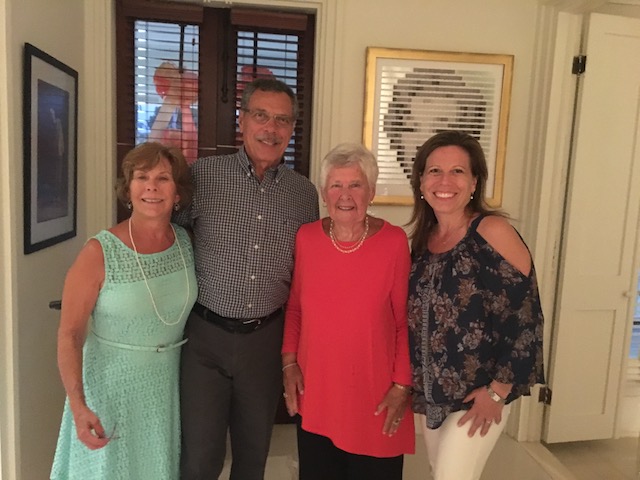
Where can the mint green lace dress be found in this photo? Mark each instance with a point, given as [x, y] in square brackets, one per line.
[130, 367]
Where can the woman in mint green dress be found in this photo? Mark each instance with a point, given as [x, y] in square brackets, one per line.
[124, 304]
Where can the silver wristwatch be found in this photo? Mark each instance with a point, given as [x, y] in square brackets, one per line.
[494, 396]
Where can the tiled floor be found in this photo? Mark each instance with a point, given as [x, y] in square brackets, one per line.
[509, 461]
[600, 459]
[609, 459]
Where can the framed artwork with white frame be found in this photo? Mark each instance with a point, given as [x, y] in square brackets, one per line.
[411, 95]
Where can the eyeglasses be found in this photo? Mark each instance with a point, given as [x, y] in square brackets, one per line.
[113, 435]
[262, 118]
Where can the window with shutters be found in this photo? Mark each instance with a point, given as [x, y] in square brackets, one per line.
[181, 70]
[166, 84]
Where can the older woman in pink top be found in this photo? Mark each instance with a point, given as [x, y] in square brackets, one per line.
[345, 357]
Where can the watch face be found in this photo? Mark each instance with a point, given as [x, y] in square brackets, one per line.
[494, 396]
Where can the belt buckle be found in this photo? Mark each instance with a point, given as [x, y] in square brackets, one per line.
[257, 321]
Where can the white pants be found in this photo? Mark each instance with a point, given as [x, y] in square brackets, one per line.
[454, 455]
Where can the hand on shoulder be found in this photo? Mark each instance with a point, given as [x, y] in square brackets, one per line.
[501, 235]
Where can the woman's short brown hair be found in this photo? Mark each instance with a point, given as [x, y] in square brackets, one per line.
[145, 157]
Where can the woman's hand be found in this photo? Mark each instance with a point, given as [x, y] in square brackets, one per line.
[483, 413]
[293, 385]
[81, 289]
[89, 429]
[395, 402]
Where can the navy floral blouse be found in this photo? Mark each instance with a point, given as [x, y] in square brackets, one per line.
[473, 318]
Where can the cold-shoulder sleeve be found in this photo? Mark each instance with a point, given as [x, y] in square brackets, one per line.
[514, 313]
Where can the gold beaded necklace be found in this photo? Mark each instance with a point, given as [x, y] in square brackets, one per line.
[355, 247]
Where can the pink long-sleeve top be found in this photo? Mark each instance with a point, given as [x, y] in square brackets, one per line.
[346, 319]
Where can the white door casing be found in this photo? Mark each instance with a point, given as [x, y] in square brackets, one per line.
[600, 234]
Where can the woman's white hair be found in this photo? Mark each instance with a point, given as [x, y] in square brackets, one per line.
[346, 155]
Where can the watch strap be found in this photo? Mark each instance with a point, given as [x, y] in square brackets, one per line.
[494, 396]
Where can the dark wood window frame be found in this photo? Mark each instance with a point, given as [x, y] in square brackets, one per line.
[217, 71]
[217, 129]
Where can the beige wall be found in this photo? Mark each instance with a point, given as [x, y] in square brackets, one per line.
[27, 283]
[459, 26]
[57, 28]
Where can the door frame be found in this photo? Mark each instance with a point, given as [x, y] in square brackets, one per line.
[569, 36]
[558, 39]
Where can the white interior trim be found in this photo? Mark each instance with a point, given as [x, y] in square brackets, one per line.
[556, 158]
[554, 171]
[624, 2]
[548, 461]
[525, 421]
[575, 6]
[9, 445]
[97, 89]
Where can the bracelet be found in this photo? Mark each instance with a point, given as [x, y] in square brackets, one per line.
[402, 387]
[289, 365]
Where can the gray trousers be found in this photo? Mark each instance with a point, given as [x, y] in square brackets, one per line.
[229, 382]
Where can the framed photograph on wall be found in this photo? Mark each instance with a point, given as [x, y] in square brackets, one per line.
[50, 113]
[411, 95]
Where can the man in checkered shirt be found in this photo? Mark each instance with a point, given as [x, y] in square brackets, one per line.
[246, 211]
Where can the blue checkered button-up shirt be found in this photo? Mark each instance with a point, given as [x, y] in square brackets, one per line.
[245, 233]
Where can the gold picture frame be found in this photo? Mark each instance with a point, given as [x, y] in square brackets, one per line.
[412, 94]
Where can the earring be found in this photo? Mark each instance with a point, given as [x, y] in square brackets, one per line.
[421, 197]
[129, 205]
[176, 206]
[471, 197]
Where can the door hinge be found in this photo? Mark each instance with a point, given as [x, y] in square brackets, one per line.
[545, 395]
[579, 64]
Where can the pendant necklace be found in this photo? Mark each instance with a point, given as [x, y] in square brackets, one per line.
[446, 238]
[355, 247]
[186, 276]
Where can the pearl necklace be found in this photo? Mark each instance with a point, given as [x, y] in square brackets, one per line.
[358, 244]
[186, 276]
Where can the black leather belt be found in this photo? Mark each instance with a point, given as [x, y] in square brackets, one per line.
[234, 325]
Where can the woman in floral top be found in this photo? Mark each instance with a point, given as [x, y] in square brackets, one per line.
[475, 321]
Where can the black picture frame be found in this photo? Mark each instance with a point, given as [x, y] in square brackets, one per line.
[50, 142]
